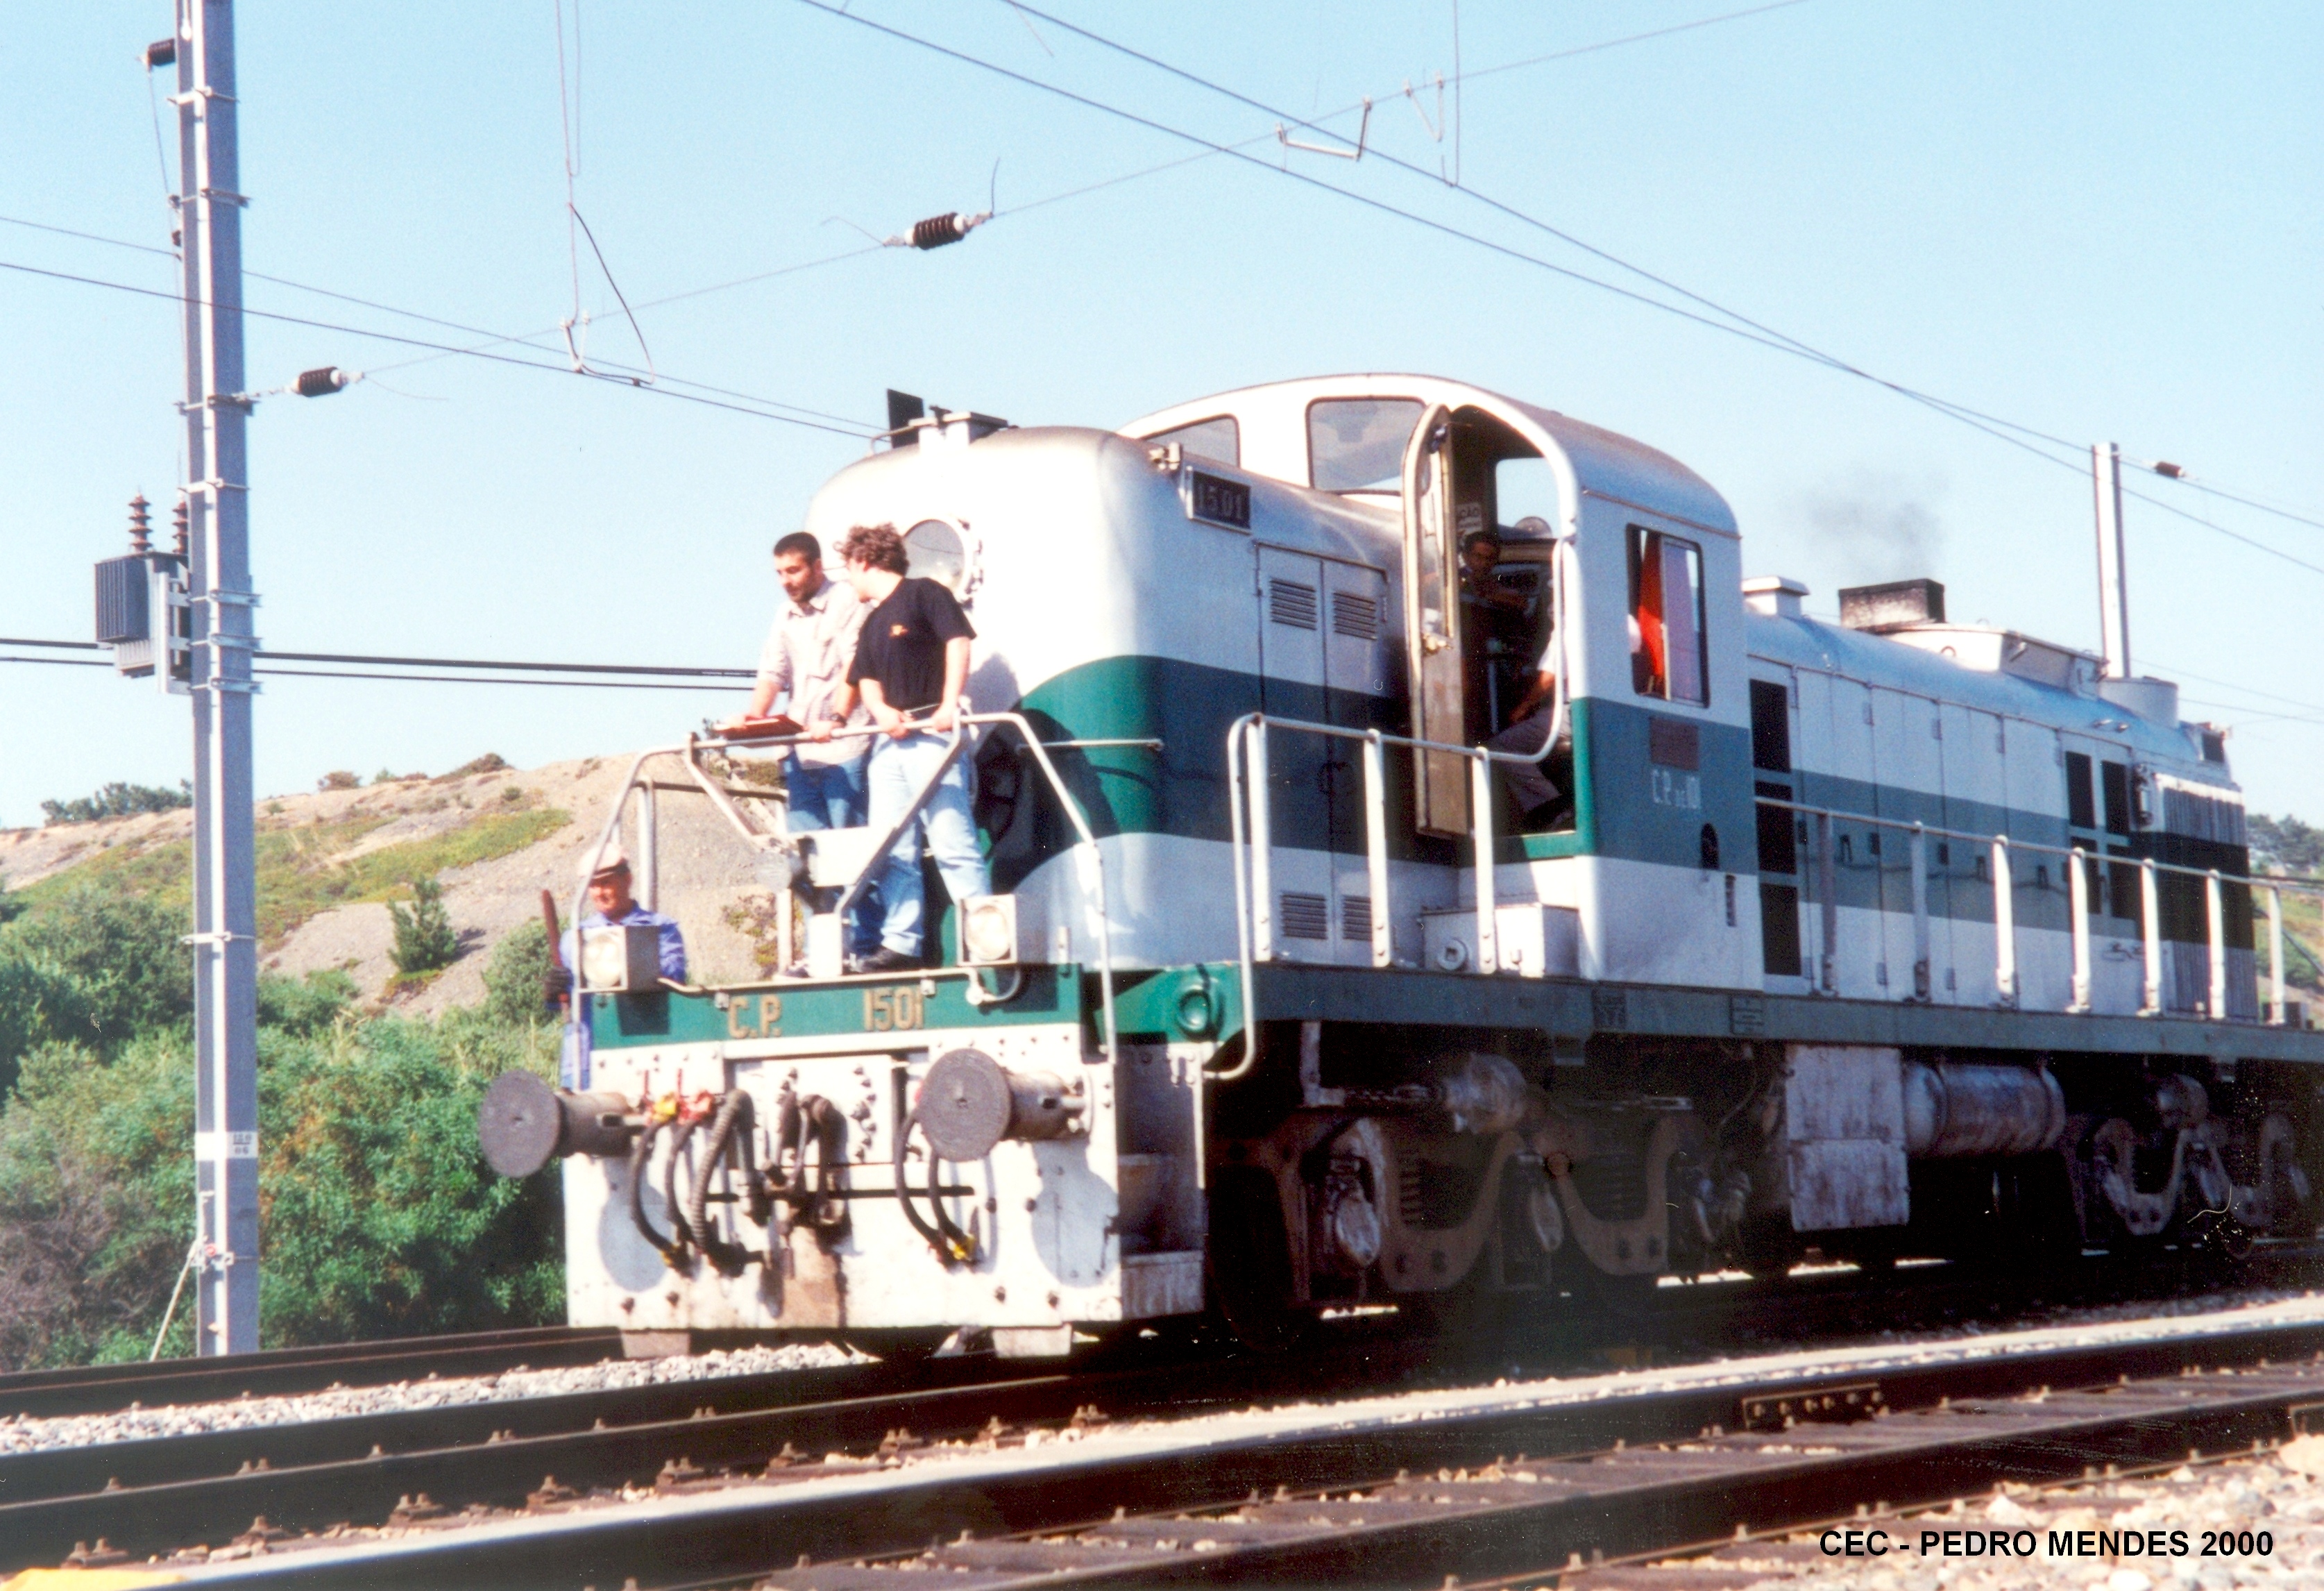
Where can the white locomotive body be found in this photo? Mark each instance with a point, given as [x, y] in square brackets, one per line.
[1870, 935]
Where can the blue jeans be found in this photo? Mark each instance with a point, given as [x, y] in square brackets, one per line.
[831, 796]
[899, 769]
[825, 796]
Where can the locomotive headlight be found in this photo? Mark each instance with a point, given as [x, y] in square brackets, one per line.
[987, 930]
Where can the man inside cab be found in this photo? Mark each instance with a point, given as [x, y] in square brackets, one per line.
[1539, 801]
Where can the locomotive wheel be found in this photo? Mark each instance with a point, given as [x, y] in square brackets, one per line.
[1249, 1262]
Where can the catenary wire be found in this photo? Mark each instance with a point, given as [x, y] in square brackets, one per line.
[634, 382]
[1735, 325]
[373, 660]
[496, 339]
[77, 663]
[1801, 346]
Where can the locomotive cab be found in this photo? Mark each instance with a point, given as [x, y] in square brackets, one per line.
[1620, 570]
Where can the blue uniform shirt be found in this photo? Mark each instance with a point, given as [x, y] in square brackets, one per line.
[673, 948]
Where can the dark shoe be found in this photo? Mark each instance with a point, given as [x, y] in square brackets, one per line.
[884, 959]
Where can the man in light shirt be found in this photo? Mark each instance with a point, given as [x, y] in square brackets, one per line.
[805, 658]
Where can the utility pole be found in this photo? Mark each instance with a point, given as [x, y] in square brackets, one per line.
[217, 494]
[2114, 590]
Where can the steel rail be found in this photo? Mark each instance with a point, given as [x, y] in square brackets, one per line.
[1507, 1519]
[499, 1463]
[43, 1493]
[1108, 1513]
[101, 1388]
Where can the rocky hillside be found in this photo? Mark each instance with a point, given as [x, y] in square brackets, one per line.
[328, 862]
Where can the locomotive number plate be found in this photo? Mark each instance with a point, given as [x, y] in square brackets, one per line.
[1219, 500]
[894, 1011]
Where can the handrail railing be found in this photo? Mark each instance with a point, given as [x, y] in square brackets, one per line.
[689, 750]
[1249, 815]
[2079, 859]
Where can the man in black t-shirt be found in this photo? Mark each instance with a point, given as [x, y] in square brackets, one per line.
[910, 670]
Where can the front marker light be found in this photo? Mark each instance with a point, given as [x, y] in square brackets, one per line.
[987, 930]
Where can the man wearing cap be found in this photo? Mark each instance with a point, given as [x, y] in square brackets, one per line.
[613, 906]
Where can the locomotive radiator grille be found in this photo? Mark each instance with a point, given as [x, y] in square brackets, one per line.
[1291, 604]
[1355, 618]
[1305, 917]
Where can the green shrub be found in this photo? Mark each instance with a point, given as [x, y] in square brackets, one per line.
[119, 799]
[380, 1216]
[305, 1006]
[116, 957]
[96, 1200]
[424, 939]
[377, 1214]
[513, 978]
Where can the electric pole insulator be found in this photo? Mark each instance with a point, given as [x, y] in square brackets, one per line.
[321, 382]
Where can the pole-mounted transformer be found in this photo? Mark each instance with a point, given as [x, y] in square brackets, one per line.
[142, 612]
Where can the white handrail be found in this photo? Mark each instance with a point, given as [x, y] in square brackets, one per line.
[1016, 721]
[1250, 825]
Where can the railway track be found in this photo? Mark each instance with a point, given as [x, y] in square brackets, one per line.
[419, 1467]
[100, 1388]
[1391, 1494]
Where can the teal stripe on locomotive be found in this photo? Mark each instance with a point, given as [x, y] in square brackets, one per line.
[1659, 811]
[1645, 811]
[1872, 864]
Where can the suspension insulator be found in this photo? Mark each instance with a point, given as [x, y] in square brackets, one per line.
[939, 230]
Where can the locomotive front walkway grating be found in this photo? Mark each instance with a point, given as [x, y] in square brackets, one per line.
[1607, 1498]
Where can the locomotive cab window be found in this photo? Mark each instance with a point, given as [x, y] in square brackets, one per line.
[1668, 658]
[1219, 438]
[1357, 444]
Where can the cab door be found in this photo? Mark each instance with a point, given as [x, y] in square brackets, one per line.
[1432, 627]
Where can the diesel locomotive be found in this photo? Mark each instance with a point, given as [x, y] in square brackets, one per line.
[1887, 937]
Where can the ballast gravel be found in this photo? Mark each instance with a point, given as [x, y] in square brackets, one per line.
[2252, 1521]
[26, 1434]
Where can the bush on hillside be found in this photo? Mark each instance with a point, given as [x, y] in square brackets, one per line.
[378, 1215]
[337, 779]
[95, 969]
[305, 1006]
[424, 939]
[381, 1218]
[96, 1201]
[513, 977]
[119, 800]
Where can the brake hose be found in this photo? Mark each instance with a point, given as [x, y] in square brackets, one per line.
[729, 1131]
[682, 1131]
[671, 1251]
[951, 1243]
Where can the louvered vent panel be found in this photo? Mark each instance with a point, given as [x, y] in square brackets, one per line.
[1292, 603]
[1355, 919]
[1356, 617]
[1305, 916]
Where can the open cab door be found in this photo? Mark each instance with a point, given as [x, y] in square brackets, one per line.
[1435, 660]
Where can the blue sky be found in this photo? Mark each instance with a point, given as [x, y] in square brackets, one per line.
[2098, 220]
